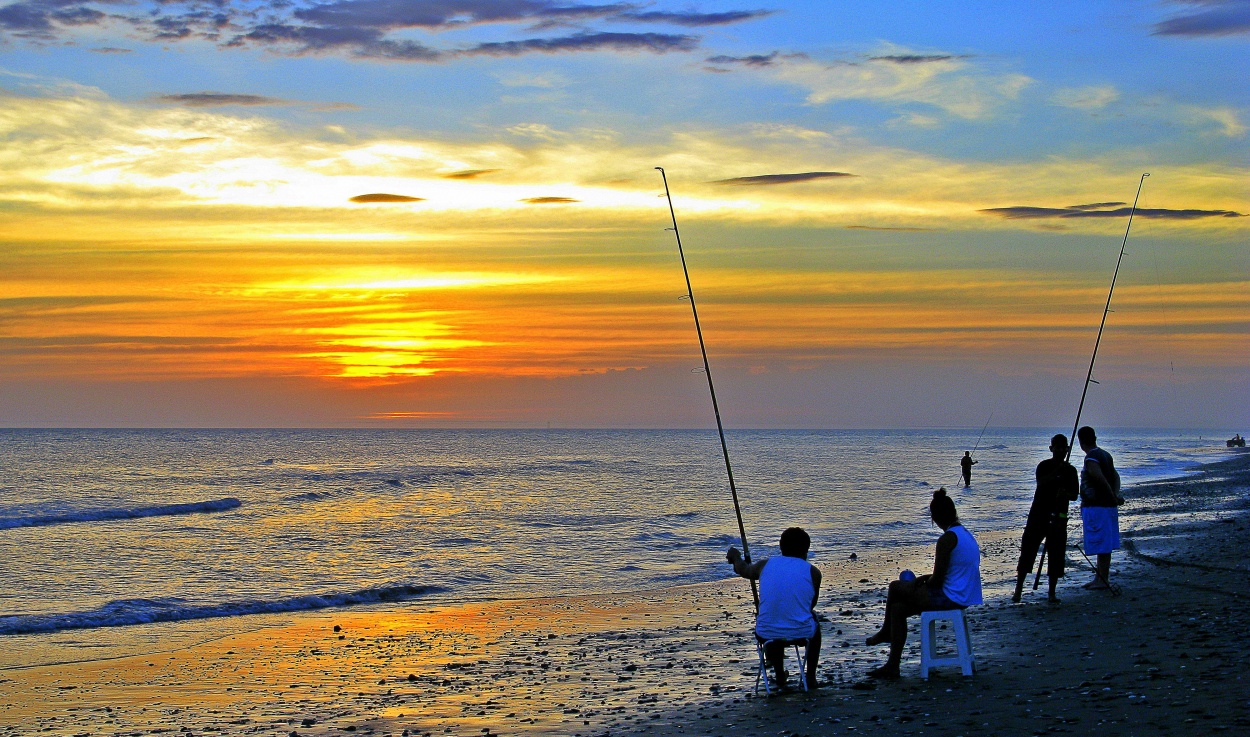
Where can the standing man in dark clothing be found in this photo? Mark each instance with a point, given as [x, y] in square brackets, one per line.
[966, 463]
[1100, 497]
[1057, 485]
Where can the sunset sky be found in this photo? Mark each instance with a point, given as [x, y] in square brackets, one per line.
[445, 213]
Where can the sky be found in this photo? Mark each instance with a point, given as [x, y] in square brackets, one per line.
[446, 213]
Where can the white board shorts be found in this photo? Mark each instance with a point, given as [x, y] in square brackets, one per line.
[1102, 529]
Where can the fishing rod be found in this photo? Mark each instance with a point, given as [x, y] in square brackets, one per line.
[707, 370]
[978, 445]
[1089, 375]
[987, 424]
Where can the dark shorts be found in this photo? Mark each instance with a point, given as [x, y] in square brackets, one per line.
[938, 602]
[1055, 535]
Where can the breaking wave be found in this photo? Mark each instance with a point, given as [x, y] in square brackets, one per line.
[145, 611]
[118, 513]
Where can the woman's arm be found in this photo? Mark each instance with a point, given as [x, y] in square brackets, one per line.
[942, 559]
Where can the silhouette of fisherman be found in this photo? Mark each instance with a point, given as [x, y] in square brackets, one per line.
[1057, 484]
[966, 463]
[1100, 496]
[789, 589]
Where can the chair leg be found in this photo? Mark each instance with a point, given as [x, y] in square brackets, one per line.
[763, 672]
[965, 639]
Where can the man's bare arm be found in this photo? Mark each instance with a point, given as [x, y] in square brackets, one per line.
[747, 570]
[1096, 478]
[816, 579]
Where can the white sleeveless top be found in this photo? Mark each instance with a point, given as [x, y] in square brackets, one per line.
[963, 578]
[786, 594]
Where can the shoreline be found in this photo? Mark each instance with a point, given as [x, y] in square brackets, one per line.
[678, 660]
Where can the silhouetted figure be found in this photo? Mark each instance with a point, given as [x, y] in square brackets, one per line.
[789, 586]
[1057, 485]
[954, 584]
[1100, 495]
[966, 463]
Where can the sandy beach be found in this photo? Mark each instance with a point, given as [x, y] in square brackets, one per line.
[1163, 658]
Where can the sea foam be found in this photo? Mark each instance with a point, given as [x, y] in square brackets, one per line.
[145, 611]
[119, 513]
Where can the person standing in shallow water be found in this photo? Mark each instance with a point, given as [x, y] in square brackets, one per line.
[954, 584]
[965, 464]
[1048, 518]
[1100, 496]
[789, 587]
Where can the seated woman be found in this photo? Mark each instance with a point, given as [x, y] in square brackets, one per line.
[954, 584]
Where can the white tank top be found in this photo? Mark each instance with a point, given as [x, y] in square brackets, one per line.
[786, 594]
[963, 578]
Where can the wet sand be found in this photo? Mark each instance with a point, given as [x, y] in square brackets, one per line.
[680, 660]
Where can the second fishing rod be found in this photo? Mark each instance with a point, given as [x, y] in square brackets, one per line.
[1089, 379]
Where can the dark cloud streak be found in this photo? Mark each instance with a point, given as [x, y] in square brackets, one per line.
[754, 60]
[469, 173]
[694, 19]
[1021, 212]
[219, 99]
[1208, 18]
[367, 29]
[914, 58]
[658, 43]
[385, 197]
[772, 179]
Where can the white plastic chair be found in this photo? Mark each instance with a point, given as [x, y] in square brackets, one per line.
[928, 645]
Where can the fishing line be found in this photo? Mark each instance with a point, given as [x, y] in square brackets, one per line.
[707, 370]
[1089, 375]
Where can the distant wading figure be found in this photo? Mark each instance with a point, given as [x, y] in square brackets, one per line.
[954, 584]
[789, 586]
[1100, 495]
[965, 464]
[1048, 518]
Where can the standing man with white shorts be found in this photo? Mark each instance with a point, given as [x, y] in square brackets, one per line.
[1100, 497]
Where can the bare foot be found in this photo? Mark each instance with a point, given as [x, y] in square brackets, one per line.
[1015, 598]
[1053, 599]
[887, 672]
[877, 639]
[1096, 585]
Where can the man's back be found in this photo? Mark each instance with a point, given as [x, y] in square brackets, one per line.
[787, 591]
[1093, 494]
[1057, 485]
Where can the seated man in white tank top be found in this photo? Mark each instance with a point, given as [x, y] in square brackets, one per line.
[789, 586]
[954, 584]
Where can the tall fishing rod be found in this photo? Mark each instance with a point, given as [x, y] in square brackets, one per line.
[707, 370]
[1089, 375]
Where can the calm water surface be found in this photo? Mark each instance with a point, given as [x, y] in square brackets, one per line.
[105, 528]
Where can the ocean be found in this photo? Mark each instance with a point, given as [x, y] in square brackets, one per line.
[121, 541]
